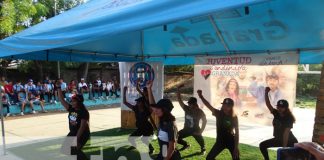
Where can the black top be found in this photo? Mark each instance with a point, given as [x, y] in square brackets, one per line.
[192, 118]
[167, 132]
[280, 124]
[225, 124]
[142, 118]
[75, 117]
[55, 88]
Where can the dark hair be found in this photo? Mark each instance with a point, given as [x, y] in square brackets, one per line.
[290, 114]
[232, 113]
[78, 97]
[82, 106]
[167, 116]
[237, 90]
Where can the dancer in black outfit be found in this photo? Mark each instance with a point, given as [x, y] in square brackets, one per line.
[193, 114]
[78, 123]
[142, 114]
[167, 131]
[144, 94]
[227, 122]
[282, 123]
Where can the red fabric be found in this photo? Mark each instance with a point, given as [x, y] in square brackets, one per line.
[8, 88]
[71, 86]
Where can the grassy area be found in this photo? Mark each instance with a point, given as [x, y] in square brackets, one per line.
[306, 102]
[105, 140]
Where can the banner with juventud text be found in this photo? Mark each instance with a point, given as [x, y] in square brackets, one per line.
[130, 72]
[244, 78]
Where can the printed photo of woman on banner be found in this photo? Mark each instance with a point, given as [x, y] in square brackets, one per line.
[244, 79]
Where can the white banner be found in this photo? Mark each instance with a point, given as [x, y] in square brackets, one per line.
[130, 72]
[244, 78]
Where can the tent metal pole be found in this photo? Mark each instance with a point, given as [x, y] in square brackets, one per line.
[219, 34]
[191, 54]
[58, 69]
[2, 127]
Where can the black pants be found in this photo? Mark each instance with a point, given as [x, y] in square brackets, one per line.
[49, 95]
[107, 92]
[41, 95]
[83, 140]
[12, 97]
[114, 92]
[55, 93]
[98, 91]
[275, 142]
[146, 133]
[16, 97]
[64, 92]
[190, 132]
[220, 145]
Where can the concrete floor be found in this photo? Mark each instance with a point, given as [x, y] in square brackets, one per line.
[41, 127]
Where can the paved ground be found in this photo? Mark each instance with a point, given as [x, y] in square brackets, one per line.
[31, 129]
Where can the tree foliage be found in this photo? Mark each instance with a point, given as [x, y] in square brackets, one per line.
[16, 15]
[179, 68]
[56, 7]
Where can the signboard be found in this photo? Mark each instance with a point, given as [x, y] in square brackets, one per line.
[130, 73]
[244, 78]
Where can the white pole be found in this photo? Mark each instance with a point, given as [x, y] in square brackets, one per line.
[58, 62]
[2, 126]
[219, 34]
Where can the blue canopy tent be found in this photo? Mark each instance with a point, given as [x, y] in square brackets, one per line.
[173, 31]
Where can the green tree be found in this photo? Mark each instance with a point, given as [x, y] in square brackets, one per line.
[56, 7]
[47, 9]
[16, 15]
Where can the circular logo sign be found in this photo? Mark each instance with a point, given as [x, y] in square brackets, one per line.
[141, 72]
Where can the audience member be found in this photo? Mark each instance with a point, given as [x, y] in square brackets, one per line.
[17, 88]
[23, 101]
[3, 81]
[72, 86]
[48, 87]
[5, 102]
[9, 91]
[83, 87]
[34, 98]
[63, 87]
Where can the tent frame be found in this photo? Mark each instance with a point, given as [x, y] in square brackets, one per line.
[2, 127]
[142, 56]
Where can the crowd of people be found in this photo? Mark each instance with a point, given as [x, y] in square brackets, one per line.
[46, 92]
[227, 122]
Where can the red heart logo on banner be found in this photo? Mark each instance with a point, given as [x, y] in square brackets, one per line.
[205, 73]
